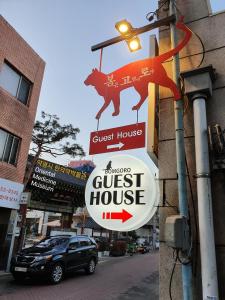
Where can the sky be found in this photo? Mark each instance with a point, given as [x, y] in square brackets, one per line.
[217, 5]
[62, 33]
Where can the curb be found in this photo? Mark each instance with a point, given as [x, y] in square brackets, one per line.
[4, 274]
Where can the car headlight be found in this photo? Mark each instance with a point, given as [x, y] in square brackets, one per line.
[45, 257]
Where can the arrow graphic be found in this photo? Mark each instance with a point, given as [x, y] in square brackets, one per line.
[124, 215]
[120, 145]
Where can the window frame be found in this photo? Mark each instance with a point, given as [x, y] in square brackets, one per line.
[11, 148]
[85, 239]
[73, 241]
[21, 77]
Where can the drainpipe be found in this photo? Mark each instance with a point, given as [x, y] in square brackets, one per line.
[12, 240]
[207, 243]
[198, 87]
[180, 155]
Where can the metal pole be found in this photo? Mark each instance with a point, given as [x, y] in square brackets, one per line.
[180, 156]
[12, 242]
[206, 230]
[135, 31]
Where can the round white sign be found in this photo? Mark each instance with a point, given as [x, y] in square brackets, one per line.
[121, 193]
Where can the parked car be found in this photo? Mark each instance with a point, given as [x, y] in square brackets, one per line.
[53, 257]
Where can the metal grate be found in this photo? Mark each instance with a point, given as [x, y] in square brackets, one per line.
[25, 259]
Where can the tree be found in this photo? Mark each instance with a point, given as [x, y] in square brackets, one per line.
[49, 136]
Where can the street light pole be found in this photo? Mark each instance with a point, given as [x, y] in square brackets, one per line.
[136, 31]
[180, 155]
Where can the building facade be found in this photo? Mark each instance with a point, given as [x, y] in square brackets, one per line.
[21, 74]
[207, 50]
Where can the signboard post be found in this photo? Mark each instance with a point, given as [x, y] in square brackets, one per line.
[118, 139]
[25, 197]
[121, 193]
[153, 110]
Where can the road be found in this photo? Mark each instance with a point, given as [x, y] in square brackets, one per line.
[116, 278]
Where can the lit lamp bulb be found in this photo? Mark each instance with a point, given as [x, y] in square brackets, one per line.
[123, 28]
[134, 44]
[128, 33]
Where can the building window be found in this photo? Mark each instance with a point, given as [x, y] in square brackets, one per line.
[9, 146]
[15, 83]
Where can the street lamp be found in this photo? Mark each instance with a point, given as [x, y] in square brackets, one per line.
[135, 32]
[127, 31]
[134, 44]
[124, 27]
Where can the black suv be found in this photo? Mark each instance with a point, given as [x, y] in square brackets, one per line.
[54, 256]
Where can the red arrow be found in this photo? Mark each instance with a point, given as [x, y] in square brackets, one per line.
[124, 215]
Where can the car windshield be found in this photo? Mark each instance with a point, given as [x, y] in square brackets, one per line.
[52, 242]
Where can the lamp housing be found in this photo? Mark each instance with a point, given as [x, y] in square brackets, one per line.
[124, 27]
[134, 43]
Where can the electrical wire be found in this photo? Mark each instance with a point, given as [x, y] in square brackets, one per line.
[172, 206]
[150, 16]
[194, 212]
[186, 104]
[172, 273]
[203, 47]
[164, 201]
[176, 258]
[183, 262]
[192, 196]
[195, 219]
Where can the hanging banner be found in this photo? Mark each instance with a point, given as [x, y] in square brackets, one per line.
[10, 193]
[137, 75]
[121, 193]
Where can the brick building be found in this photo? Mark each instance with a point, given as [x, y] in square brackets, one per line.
[21, 74]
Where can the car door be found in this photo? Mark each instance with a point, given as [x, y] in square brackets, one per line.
[86, 249]
[73, 256]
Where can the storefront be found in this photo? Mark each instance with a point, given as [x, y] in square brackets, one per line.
[10, 193]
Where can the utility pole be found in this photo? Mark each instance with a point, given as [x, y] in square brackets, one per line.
[180, 155]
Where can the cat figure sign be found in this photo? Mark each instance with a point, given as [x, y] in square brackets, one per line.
[136, 74]
[121, 193]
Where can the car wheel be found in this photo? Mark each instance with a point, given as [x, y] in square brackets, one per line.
[90, 269]
[56, 273]
[19, 277]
